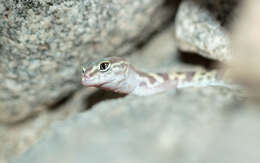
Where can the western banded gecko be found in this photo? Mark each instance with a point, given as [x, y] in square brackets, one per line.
[118, 75]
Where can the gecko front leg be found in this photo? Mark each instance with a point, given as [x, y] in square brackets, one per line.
[116, 74]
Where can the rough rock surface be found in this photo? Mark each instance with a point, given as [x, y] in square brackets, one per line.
[199, 28]
[177, 126]
[18, 137]
[43, 44]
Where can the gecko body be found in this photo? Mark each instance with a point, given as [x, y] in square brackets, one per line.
[118, 75]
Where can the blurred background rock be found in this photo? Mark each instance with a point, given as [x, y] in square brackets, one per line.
[246, 48]
[46, 116]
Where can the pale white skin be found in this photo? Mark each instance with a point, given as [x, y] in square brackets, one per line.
[116, 74]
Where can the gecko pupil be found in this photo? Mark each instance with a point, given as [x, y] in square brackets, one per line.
[104, 66]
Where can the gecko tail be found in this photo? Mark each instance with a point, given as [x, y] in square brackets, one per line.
[205, 78]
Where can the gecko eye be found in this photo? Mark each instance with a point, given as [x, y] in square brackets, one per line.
[104, 66]
[83, 70]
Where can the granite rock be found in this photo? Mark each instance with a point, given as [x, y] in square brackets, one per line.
[173, 127]
[200, 28]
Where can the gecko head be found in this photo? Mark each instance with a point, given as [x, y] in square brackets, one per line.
[104, 73]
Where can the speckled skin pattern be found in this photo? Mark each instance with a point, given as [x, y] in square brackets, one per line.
[118, 75]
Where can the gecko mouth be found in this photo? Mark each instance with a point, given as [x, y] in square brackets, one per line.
[89, 84]
[85, 81]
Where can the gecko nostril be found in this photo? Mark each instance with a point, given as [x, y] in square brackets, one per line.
[86, 76]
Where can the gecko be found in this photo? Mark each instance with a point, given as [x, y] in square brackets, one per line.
[118, 75]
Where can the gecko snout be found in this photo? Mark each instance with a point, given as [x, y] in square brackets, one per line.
[85, 76]
[84, 80]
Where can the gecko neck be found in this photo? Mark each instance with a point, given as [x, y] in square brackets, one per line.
[149, 83]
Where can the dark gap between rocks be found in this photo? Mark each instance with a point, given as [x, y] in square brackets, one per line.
[196, 59]
[100, 96]
[61, 101]
[224, 11]
[21, 121]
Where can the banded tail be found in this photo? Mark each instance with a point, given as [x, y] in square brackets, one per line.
[152, 83]
[197, 78]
